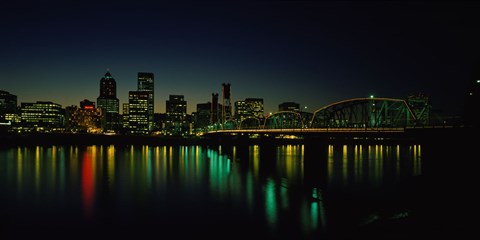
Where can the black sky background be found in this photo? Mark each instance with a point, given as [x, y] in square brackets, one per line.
[311, 52]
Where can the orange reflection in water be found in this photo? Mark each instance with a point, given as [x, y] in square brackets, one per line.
[88, 184]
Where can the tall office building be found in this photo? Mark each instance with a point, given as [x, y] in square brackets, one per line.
[176, 122]
[146, 84]
[255, 106]
[108, 101]
[251, 107]
[125, 113]
[241, 110]
[138, 112]
[227, 102]
[202, 115]
[215, 110]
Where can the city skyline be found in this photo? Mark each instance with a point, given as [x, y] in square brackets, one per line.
[312, 53]
[108, 75]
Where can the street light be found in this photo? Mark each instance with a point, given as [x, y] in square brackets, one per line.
[305, 126]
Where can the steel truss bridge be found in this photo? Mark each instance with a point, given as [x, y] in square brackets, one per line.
[353, 115]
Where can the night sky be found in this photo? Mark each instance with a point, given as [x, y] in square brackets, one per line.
[310, 52]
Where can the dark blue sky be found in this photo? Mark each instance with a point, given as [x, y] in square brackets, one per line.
[310, 52]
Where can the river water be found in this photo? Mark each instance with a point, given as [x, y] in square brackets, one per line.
[324, 191]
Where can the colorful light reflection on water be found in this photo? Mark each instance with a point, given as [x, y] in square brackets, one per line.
[280, 191]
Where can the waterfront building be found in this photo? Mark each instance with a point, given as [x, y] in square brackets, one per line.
[202, 116]
[8, 104]
[159, 119]
[176, 119]
[8, 109]
[41, 116]
[108, 101]
[86, 119]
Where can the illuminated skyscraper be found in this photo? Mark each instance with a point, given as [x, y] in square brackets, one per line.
[125, 113]
[176, 107]
[138, 103]
[108, 101]
[146, 84]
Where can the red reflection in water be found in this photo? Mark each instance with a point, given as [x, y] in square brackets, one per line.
[88, 184]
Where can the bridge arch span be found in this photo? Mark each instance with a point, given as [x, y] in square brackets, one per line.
[250, 123]
[283, 119]
[364, 112]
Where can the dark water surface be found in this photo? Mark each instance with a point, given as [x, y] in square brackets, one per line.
[312, 191]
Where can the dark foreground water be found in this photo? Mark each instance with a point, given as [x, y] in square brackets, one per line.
[313, 191]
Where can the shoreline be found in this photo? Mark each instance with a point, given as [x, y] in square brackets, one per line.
[12, 140]
[415, 137]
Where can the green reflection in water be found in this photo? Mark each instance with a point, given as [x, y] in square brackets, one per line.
[219, 169]
[270, 203]
[314, 214]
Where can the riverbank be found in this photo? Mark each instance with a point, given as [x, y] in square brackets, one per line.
[412, 136]
[10, 140]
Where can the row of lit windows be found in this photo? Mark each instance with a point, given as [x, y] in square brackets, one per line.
[43, 120]
[39, 114]
[48, 105]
